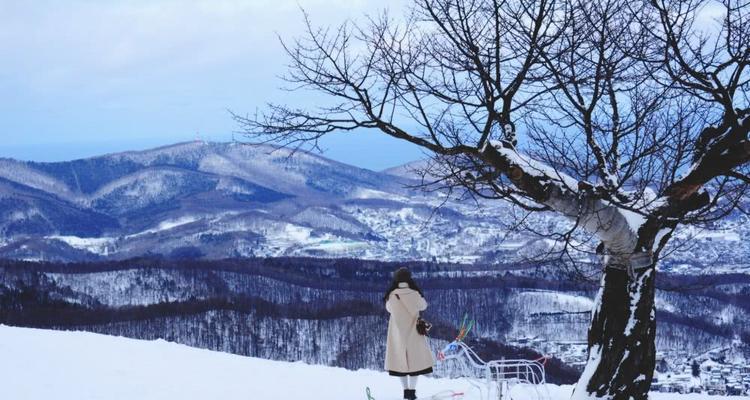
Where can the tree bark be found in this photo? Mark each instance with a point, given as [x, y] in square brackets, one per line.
[621, 338]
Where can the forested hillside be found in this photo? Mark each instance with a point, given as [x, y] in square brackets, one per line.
[330, 311]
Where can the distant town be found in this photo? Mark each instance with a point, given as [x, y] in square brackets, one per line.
[724, 371]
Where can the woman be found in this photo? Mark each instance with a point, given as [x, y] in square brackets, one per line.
[407, 354]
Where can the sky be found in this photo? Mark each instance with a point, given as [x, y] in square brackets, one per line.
[81, 78]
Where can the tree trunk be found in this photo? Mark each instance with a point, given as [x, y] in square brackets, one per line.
[621, 338]
[622, 351]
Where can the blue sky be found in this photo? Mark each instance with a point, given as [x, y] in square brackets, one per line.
[81, 78]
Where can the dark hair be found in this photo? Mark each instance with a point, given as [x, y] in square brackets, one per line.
[402, 275]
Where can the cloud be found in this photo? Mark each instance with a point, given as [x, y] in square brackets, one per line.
[58, 43]
[108, 52]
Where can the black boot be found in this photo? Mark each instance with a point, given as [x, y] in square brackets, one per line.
[407, 394]
[412, 394]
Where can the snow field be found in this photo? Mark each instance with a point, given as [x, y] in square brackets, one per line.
[39, 364]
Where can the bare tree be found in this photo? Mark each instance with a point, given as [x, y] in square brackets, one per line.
[627, 117]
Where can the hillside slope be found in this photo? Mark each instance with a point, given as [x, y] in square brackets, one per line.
[39, 365]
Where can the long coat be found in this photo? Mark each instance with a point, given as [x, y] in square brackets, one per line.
[407, 352]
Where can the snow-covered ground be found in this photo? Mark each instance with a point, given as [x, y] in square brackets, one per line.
[39, 364]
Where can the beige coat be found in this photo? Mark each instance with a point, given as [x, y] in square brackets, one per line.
[406, 350]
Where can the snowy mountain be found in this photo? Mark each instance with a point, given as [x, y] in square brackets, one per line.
[212, 200]
[39, 365]
[217, 200]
